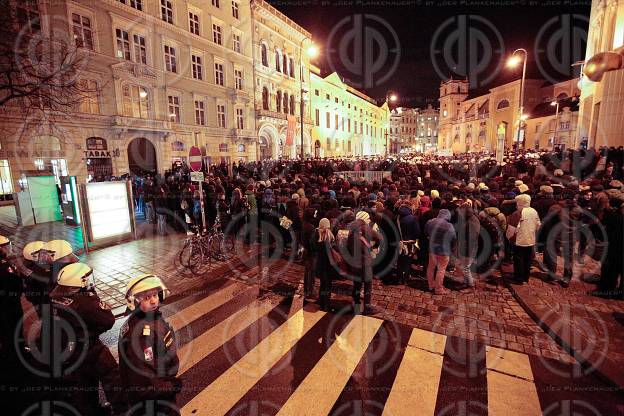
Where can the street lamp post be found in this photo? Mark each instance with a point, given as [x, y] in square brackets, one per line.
[513, 61]
[555, 103]
[390, 97]
[312, 52]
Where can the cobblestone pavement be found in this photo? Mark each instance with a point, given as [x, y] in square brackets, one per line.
[591, 327]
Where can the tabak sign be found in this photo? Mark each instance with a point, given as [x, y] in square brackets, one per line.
[97, 148]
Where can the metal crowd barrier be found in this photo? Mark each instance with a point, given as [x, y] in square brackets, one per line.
[368, 175]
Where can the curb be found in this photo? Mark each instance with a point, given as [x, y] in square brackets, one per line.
[607, 370]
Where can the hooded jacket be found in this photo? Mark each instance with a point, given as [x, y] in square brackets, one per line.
[408, 223]
[441, 234]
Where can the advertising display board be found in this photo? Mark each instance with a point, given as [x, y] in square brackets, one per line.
[44, 198]
[108, 210]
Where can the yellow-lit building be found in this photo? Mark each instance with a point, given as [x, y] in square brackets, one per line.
[601, 120]
[413, 129]
[281, 75]
[346, 122]
[169, 74]
[473, 123]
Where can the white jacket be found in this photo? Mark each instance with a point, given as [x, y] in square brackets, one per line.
[527, 228]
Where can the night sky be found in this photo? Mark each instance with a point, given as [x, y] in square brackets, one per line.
[466, 40]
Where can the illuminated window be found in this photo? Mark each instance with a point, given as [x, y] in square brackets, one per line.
[83, 34]
[123, 44]
[89, 100]
[135, 101]
[502, 104]
[174, 108]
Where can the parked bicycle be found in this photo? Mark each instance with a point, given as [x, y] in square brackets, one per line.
[201, 248]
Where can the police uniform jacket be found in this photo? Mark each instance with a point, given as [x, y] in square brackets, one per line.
[148, 360]
[11, 288]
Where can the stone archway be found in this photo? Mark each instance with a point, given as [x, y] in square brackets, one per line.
[268, 142]
[141, 156]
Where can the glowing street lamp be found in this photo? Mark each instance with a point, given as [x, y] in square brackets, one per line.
[312, 51]
[555, 104]
[513, 61]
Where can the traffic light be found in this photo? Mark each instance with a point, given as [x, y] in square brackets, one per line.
[603, 62]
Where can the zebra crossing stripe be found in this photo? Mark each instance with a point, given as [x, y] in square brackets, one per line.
[415, 388]
[510, 385]
[219, 397]
[198, 309]
[208, 342]
[318, 392]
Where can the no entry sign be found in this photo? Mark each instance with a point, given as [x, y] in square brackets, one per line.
[195, 159]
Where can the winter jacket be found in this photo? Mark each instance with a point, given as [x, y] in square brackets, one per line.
[441, 234]
[467, 228]
[253, 203]
[542, 204]
[409, 227]
[524, 225]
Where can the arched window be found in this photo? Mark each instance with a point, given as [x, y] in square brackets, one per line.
[265, 98]
[502, 104]
[285, 103]
[264, 55]
[278, 101]
[292, 104]
[292, 67]
[457, 138]
[482, 136]
[285, 66]
[241, 148]
[562, 96]
[278, 61]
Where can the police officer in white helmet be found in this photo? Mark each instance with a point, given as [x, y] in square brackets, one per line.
[86, 360]
[147, 350]
[11, 313]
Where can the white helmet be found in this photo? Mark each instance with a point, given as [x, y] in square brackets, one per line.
[72, 278]
[142, 284]
[4, 241]
[31, 250]
[54, 250]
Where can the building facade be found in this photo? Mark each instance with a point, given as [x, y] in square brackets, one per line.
[346, 122]
[479, 123]
[600, 117]
[169, 75]
[413, 129]
[282, 77]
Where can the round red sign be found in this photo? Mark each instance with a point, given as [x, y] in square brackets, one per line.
[195, 159]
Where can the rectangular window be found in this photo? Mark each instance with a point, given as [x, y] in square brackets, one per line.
[89, 102]
[336, 121]
[316, 92]
[235, 9]
[135, 4]
[236, 40]
[166, 11]
[123, 44]
[239, 119]
[343, 124]
[355, 126]
[217, 34]
[6, 183]
[28, 17]
[135, 101]
[200, 113]
[219, 80]
[215, 3]
[170, 59]
[194, 23]
[83, 33]
[197, 67]
[238, 79]
[221, 115]
[327, 120]
[349, 125]
[140, 50]
[174, 108]
[327, 96]
[317, 114]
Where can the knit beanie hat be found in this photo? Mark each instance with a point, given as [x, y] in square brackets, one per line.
[324, 224]
[363, 215]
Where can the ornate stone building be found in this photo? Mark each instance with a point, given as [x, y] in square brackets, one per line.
[414, 129]
[601, 120]
[474, 123]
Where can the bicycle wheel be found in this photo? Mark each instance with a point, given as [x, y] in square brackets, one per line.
[191, 256]
[214, 244]
[228, 245]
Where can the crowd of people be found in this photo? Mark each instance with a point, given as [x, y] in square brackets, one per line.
[430, 215]
[429, 218]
